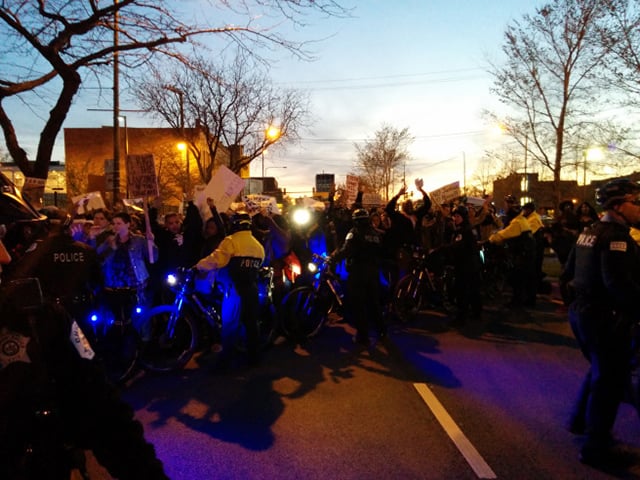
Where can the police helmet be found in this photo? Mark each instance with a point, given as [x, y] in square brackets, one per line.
[360, 215]
[240, 221]
[529, 206]
[616, 191]
[510, 199]
[13, 207]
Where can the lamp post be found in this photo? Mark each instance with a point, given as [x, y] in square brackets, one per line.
[126, 144]
[183, 147]
[268, 168]
[271, 135]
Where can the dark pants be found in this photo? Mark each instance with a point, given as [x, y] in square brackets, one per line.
[249, 316]
[606, 344]
[363, 288]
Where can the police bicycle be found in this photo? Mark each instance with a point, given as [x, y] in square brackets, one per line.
[201, 308]
[112, 328]
[305, 309]
[421, 288]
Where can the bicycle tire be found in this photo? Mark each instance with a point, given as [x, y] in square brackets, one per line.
[407, 299]
[163, 354]
[118, 350]
[302, 316]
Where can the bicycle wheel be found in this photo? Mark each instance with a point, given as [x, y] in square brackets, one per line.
[118, 350]
[407, 298]
[165, 352]
[302, 313]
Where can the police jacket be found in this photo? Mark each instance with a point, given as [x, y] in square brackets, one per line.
[66, 268]
[517, 235]
[53, 395]
[362, 249]
[604, 267]
[241, 251]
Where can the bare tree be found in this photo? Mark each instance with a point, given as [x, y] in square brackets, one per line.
[377, 158]
[554, 59]
[49, 47]
[231, 104]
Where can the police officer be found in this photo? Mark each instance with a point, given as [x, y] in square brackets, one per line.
[520, 244]
[68, 270]
[463, 253]
[537, 230]
[243, 254]
[362, 251]
[55, 399]
[604, 269]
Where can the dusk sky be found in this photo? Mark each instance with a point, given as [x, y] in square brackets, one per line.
[409, 63]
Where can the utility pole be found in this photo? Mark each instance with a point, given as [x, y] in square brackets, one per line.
[116, 108]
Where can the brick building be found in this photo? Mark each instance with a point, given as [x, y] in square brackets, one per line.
[89, 154]
[543, 193]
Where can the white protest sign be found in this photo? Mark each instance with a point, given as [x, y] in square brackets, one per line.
[254, 203]
[223, 188]
[94, 201]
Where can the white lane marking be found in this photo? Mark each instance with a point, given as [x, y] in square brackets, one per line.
[469, 452]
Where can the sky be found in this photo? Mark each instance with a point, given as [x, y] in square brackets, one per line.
[419, 64]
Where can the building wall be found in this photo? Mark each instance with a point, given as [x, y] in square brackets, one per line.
[88, 149]
[543, 192]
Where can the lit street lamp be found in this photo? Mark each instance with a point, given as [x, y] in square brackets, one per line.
[271, 135]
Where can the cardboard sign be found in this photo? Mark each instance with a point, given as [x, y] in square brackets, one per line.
[223, 188]
[351, 187]
[445, 194]
[141, 176]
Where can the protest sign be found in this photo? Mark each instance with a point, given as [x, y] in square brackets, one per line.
[445, 194]
[223, 188]
[141, 176]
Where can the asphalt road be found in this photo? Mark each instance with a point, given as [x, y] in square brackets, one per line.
[488, 400]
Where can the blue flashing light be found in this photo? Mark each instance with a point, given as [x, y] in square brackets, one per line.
[93, 317]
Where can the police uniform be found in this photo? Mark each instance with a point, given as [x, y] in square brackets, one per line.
[604, 269]
[243, 254]
[521, 249]
[68, 270]
[362, 251]
[53, 396]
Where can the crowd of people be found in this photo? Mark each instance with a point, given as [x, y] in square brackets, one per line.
[103, 251]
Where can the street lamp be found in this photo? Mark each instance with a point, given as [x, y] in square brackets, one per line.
[271, 135]
[268, 168]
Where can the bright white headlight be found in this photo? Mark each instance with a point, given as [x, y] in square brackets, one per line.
[301, 216]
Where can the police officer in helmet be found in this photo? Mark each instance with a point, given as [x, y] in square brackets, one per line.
[604, 271]
[362, 251]
[243, 254]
